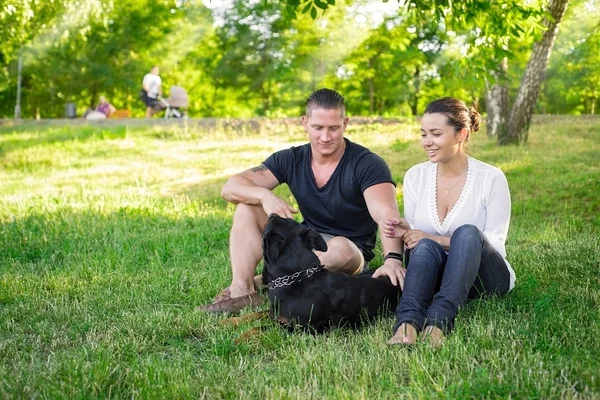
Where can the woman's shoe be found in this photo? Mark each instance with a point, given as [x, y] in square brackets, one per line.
[406, 335]
[433, 335]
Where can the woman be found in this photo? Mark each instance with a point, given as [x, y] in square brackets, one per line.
[102, 111]
[457, 212]
[105, 107]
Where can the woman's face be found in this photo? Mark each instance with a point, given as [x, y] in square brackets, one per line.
[439, 139]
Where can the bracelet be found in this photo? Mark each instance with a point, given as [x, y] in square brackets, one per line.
[395, 256]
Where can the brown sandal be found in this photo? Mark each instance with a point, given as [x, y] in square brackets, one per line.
[406, 335]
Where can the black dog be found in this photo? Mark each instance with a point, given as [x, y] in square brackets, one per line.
[303, 294]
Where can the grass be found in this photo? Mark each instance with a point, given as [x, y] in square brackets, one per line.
[111, 235]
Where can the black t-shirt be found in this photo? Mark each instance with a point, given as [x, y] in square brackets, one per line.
[338, 208]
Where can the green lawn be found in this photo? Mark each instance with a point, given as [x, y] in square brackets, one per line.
[110, 236]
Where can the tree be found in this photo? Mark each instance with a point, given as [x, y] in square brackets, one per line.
[503, 20]
[394, 65]
[20, 23]
[573, 78]
[104, 48]
[522, 110]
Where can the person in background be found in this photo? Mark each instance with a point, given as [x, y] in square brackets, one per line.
[102, 111]
[105, 107]
[152, 90]
[457, 213]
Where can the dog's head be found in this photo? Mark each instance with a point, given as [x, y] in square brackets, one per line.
[288, 246]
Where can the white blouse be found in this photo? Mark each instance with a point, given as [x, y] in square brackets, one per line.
[483, 202]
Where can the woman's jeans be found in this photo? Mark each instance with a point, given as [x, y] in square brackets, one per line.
[437, 283]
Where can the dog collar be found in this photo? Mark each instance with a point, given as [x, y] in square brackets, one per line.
[288, 280]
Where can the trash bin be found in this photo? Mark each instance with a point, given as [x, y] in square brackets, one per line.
[70, 110]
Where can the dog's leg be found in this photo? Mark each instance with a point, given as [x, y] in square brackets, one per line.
[236, 321]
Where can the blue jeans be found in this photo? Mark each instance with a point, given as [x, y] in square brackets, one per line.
[437, 283]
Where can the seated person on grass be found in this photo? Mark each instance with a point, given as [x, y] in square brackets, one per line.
[343, 190]
[102, 111]
[457, 212]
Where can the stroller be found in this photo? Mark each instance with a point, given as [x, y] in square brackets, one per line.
[175, 103]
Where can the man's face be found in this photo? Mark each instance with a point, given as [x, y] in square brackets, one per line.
[155, 70]
[325, 130]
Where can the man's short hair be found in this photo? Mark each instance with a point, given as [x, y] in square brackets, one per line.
[327, 99]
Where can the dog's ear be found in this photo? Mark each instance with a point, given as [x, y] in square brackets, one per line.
[313, 240]
[272, 246]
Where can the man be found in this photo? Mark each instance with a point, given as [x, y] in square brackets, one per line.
[152, 85]
[343, 192]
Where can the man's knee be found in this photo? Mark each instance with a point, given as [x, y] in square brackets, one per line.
[342, 255]
[248, 214]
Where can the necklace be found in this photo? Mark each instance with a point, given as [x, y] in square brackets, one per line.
[448, 189]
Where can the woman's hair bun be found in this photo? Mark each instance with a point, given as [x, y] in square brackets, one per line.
[475, 119]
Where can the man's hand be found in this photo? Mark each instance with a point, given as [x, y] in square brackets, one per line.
[412, 237]
[393, 269]
[395, 228]
[274, 205]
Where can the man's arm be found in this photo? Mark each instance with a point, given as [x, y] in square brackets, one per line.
[382, 205]
[253, 187]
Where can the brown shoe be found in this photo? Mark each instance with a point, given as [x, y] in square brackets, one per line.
[228, 304]
[226, 293]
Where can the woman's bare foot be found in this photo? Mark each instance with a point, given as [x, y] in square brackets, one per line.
[433, 335]
[405, 335]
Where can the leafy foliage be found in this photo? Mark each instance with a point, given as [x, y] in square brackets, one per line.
[262, 58]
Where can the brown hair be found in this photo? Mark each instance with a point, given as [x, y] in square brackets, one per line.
[459, 115]
[325, 98]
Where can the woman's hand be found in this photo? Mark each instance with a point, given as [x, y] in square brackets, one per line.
[395, 228]
[412, 237]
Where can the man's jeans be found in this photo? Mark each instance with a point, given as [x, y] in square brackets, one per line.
[437, 283]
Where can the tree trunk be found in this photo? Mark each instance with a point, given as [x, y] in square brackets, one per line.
[497, 102]
[417, 85]
[522, 110]
[267, 98]
[371, 96]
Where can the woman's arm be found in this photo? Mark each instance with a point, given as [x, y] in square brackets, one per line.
[497, 215]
